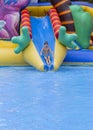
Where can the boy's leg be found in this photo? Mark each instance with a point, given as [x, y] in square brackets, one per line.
[49, 62]
[46, 59]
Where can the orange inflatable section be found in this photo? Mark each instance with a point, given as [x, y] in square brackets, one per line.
[56, 23]
[25, 20]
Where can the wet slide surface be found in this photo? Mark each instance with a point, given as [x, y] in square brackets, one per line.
[41, 32]
[33, 100]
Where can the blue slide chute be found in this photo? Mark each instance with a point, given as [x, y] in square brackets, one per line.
[41, 32]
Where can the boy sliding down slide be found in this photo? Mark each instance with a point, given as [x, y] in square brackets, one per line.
[46, 51]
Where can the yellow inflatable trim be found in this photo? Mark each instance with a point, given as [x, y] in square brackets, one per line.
[59, 55]
[32, 57]
[88, 9]
[7, 44]
[39, 11]
[9, 58]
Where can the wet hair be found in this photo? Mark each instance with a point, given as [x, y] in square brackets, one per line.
[46, 43]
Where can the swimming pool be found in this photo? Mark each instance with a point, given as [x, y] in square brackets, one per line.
[33, 100]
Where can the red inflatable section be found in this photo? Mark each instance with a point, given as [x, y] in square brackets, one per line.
[91, 43]
[25, 20]
[56, 23]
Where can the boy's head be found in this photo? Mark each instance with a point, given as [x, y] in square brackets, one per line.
[46, 43]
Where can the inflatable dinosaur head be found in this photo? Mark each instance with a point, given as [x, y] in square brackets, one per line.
[10, 17]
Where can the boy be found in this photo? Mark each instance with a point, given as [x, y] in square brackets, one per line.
[47, 53]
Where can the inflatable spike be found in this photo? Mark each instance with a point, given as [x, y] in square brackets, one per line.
[23, 40]
[67, 39]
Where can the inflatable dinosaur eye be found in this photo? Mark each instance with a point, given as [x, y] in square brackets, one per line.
[9, 2]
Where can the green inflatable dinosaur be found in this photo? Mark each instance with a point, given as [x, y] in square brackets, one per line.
[83, 25]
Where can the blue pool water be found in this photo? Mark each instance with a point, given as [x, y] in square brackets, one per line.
[33, 100]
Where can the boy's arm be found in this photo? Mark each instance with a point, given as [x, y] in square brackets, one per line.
[52, 52]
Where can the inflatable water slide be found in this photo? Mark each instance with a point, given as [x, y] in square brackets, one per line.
[41, 35]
